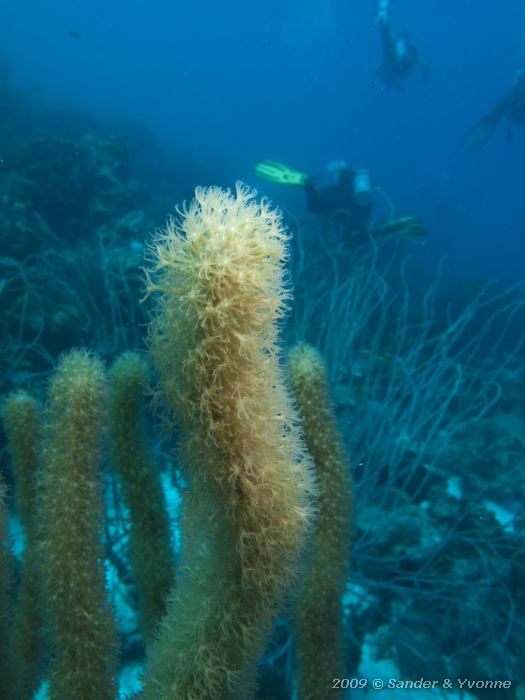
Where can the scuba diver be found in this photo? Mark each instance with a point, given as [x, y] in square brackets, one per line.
[343, 194]
[513, 107]
[400, 56]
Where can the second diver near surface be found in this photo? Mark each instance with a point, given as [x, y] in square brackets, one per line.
[400, 56]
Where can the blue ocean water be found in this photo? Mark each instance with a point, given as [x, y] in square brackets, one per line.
[234, 83]
[112, 113]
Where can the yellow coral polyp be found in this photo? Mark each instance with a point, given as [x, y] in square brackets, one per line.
[214, 340]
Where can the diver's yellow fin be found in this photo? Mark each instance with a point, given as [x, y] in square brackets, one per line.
[279, 173]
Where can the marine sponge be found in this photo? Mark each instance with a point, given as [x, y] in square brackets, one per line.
[6, 580]
[151, 556]
[319, 615]
[23, 426]
[219, 277]
[82, 631]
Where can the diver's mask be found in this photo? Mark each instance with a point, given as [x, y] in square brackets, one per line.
[362, 188]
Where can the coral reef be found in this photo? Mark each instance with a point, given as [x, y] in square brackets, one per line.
[428, 395]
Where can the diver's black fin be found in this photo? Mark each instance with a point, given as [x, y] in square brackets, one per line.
[478, 135]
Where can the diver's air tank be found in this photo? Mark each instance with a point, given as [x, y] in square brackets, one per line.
[362, 188]
[401, 49]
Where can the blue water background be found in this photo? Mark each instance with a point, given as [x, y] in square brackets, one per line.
[227, 84]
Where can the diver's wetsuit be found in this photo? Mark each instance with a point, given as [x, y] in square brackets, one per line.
[393, 64]
[332, 194]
